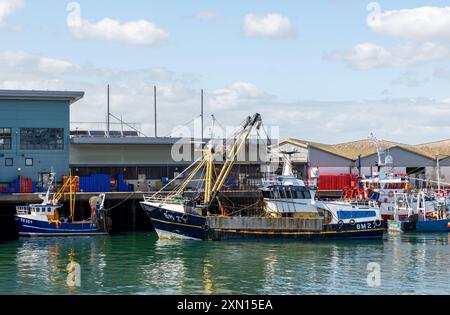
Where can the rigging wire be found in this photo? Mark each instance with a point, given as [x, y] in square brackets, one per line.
[184, 125]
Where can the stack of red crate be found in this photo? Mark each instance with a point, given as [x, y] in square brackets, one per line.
[334, 182]
[26, 185]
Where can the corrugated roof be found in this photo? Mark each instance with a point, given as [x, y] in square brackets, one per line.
[442, 148]
[351, 150]
[321, 146]
[71, 96]
[366, 148]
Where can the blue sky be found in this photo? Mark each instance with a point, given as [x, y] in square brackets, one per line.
[317, 69]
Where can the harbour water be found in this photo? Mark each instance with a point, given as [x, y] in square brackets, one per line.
[139, 263]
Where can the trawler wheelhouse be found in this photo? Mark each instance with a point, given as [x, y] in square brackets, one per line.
[47, 210]
[285, 192]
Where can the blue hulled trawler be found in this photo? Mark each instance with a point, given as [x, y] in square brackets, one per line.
[289, 210]
[48, 219]
[419, 218]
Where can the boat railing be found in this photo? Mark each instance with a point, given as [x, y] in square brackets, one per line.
[163, 199]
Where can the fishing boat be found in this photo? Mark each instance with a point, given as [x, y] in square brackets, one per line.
[47, 218]
[420, 219]
[384, 185]
[288, 210]
[401, 205]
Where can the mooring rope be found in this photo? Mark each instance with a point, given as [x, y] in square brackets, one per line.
[120, 203]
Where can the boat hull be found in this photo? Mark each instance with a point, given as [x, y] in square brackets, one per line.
[433, 226]
[171, 224]
[36, 228]
[420, 226]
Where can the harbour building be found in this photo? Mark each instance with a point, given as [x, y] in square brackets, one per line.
[34, 133]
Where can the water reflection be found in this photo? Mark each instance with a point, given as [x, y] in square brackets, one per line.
[142, 264]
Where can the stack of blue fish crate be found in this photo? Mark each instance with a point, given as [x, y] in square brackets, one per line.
[122, 186]
[95, 183]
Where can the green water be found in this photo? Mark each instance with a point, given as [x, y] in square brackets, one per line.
[141, 264]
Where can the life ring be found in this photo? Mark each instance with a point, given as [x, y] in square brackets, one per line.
[377, 223]
[352, 222]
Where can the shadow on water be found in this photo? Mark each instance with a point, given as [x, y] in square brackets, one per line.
[140, 263]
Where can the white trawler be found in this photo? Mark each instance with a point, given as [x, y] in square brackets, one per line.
[384, 185]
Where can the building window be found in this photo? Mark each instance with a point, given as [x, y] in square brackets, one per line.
[28, 162]
[5, 139]
[9, 162]
[42, 139]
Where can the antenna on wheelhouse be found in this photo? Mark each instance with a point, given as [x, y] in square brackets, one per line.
[382, 158]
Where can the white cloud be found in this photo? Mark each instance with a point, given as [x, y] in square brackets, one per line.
[10, 60]
[207, 16]
[272, 25]
[423, 23]
[55, 66]
[9, 6]
[139, 32]
[369, 56]
[13, 58]
[425, 30]
[236, 95]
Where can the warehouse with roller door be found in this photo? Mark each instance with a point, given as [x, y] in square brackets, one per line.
[360, 158]
[147, 163]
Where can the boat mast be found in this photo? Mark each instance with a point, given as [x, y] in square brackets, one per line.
[209, 156]
[240, 141]
[438, 173]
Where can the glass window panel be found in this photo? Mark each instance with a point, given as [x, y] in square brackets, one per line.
[9, 162]
[5, 138]
[276, 194]
[42, 139]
